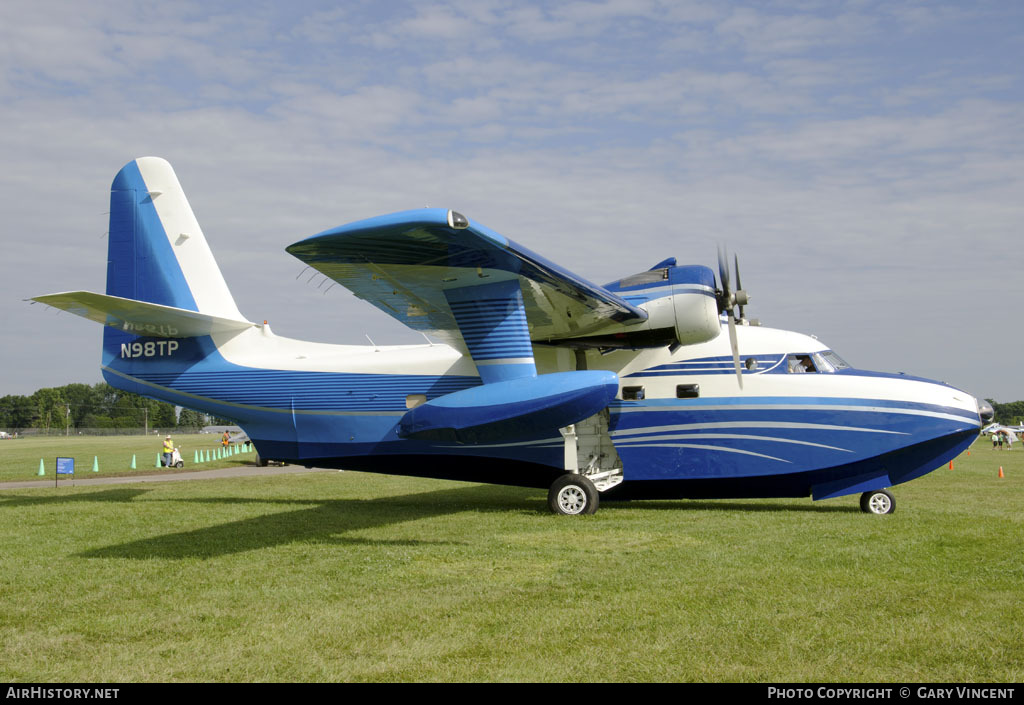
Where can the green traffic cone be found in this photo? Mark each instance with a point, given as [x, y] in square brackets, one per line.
[133, 461]
[195, 457]
[95, 464]
[42, 470]
[207, 455]
[157, 460]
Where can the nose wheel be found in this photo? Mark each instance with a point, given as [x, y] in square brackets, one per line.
[877, 502]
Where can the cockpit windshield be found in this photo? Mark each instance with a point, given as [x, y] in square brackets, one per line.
[827, 362]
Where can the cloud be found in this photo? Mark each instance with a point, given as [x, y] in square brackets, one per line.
[867, 183]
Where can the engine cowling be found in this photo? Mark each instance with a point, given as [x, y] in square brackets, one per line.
[688, 307]
[680, 304]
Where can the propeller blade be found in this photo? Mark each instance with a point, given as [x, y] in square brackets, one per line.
[723, 272]
[735, 349]
[739, 285]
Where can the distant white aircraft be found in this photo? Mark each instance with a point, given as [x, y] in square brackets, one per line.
[646, 387]
[1012, 431]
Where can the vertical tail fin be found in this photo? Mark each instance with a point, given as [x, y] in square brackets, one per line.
[157, 251]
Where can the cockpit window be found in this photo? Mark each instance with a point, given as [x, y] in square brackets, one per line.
[828, 361]
[799, 364]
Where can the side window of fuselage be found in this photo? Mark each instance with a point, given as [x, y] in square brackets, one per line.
[687, 391]
[633, 394]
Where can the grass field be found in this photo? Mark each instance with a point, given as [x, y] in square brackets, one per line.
[19, 458]
[356, 577]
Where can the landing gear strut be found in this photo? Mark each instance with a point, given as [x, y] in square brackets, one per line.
[592, 463]
[877, 502]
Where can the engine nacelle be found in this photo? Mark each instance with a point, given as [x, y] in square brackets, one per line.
[684, 303]
[680, 304]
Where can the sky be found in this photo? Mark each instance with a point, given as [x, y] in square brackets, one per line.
[864, 159]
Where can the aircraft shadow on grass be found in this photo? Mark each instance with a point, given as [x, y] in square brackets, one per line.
[315, 521]
[328, 521]
[712, 505]
[36, 500]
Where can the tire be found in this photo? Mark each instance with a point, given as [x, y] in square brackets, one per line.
[877, 502]
[261, 462]
[572, 495]
[180, 464]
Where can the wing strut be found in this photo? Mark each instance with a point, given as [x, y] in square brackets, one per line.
[492, 321]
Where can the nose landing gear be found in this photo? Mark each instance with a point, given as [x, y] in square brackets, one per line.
[877, 502]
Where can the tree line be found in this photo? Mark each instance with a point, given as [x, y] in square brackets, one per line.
[1008, 414]
[99, 406]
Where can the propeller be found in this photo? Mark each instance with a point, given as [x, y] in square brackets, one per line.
[742, 297]
[728, 301]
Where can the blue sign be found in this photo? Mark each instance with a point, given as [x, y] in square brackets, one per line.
[65, 466]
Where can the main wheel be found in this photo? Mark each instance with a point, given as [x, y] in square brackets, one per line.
[573, 494]
[180, 464]
[877, 502]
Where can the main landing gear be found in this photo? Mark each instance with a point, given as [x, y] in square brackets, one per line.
[573, 494]
[877, 502]
[592, 463]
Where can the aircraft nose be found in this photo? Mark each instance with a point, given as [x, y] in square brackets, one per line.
[985, 411]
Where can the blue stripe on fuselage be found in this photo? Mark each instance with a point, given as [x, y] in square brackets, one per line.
[668, 439]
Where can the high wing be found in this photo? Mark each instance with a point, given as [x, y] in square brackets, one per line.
[419, 266]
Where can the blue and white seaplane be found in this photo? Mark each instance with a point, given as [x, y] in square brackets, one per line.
[653, 386]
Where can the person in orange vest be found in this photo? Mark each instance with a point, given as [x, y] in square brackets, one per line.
[225, 439]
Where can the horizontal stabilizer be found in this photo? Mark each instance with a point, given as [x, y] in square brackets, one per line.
[507, 411]
[140, 317]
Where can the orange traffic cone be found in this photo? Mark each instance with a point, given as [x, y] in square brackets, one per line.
[1000, 471]
[950, 464]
